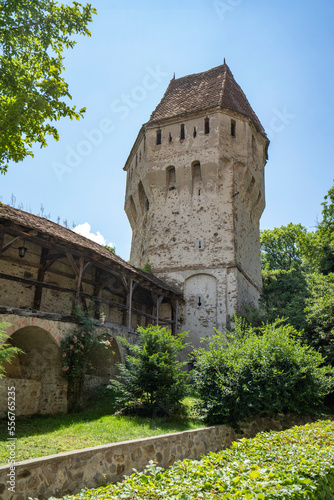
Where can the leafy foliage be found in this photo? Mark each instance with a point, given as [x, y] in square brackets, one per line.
[320, 315]
[297, 463]
[260, 371]
[152, 379]
[111, 249]
[281, 247]
[284, 294]
[76, 349]
[147, 267]
[7, 351]
[33, 94]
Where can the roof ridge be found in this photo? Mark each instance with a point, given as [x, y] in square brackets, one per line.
[211, 89]
[223, 85]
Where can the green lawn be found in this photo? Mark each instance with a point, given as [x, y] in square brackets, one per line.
[47, 435]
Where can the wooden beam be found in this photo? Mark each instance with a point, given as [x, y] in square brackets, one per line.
[84, 294]
[107, 265]
[73, 263]
[159, 300]
[51, 286]
[79, 278]
[8, 245]
[2, 237]
[129, 299]
[40, 278]
[176, 316]
[142, 313]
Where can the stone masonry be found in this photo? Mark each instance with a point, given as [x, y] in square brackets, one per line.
[194, 197]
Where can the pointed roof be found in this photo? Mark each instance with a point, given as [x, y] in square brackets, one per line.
[215, 88]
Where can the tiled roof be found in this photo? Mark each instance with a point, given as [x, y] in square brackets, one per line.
[210, 89]
[47, 227]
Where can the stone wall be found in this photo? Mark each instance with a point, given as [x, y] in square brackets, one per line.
[194, 204]
[36, 373]
[27, 395]
[67, 473]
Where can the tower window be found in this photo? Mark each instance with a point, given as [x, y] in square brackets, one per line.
[136, 159]
[139, 155]
[170, 137]
[206, 126]
[182, 133]
[195, 132]
[158, 136]
[171, 178]
[144, 202]
[199, 301]
[196, 171]
[233, 126]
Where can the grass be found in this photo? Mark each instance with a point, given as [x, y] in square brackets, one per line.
[47, 435]
[297, 463]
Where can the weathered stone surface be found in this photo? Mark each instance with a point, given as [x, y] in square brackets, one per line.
[194, 198]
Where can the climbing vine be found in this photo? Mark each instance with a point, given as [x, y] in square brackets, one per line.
[76, 351]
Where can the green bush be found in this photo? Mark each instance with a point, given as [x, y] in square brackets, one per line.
[7, 351]
[297, 463]
[260, 371]
[152, 381]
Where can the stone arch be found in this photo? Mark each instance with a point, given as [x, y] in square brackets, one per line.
[200, 294]
[102, 365]
[55, 329]
[36, 372]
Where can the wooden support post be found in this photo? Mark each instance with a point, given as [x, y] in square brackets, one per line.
[40, 278]
[2, 237]
[176, 314]
[130, 302]
[79, 279]
[159, 300]
[73, 263]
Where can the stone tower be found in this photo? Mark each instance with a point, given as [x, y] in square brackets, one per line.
[195, 194]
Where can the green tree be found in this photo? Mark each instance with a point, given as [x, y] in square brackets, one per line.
[320, 315]
[33, 93]
[258, 372]
[7, 351]
[152, 379]
[281, 247]
[319, 245]
[284, 295]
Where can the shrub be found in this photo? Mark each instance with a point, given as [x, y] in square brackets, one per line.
[258, 372]
[152, 379]
[7, 351]
[297, 463]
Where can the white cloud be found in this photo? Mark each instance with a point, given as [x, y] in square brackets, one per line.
[85, 230]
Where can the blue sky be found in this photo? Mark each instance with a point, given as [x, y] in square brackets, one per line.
[281, 54]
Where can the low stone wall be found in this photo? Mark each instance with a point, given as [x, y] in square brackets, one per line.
[65, 473]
